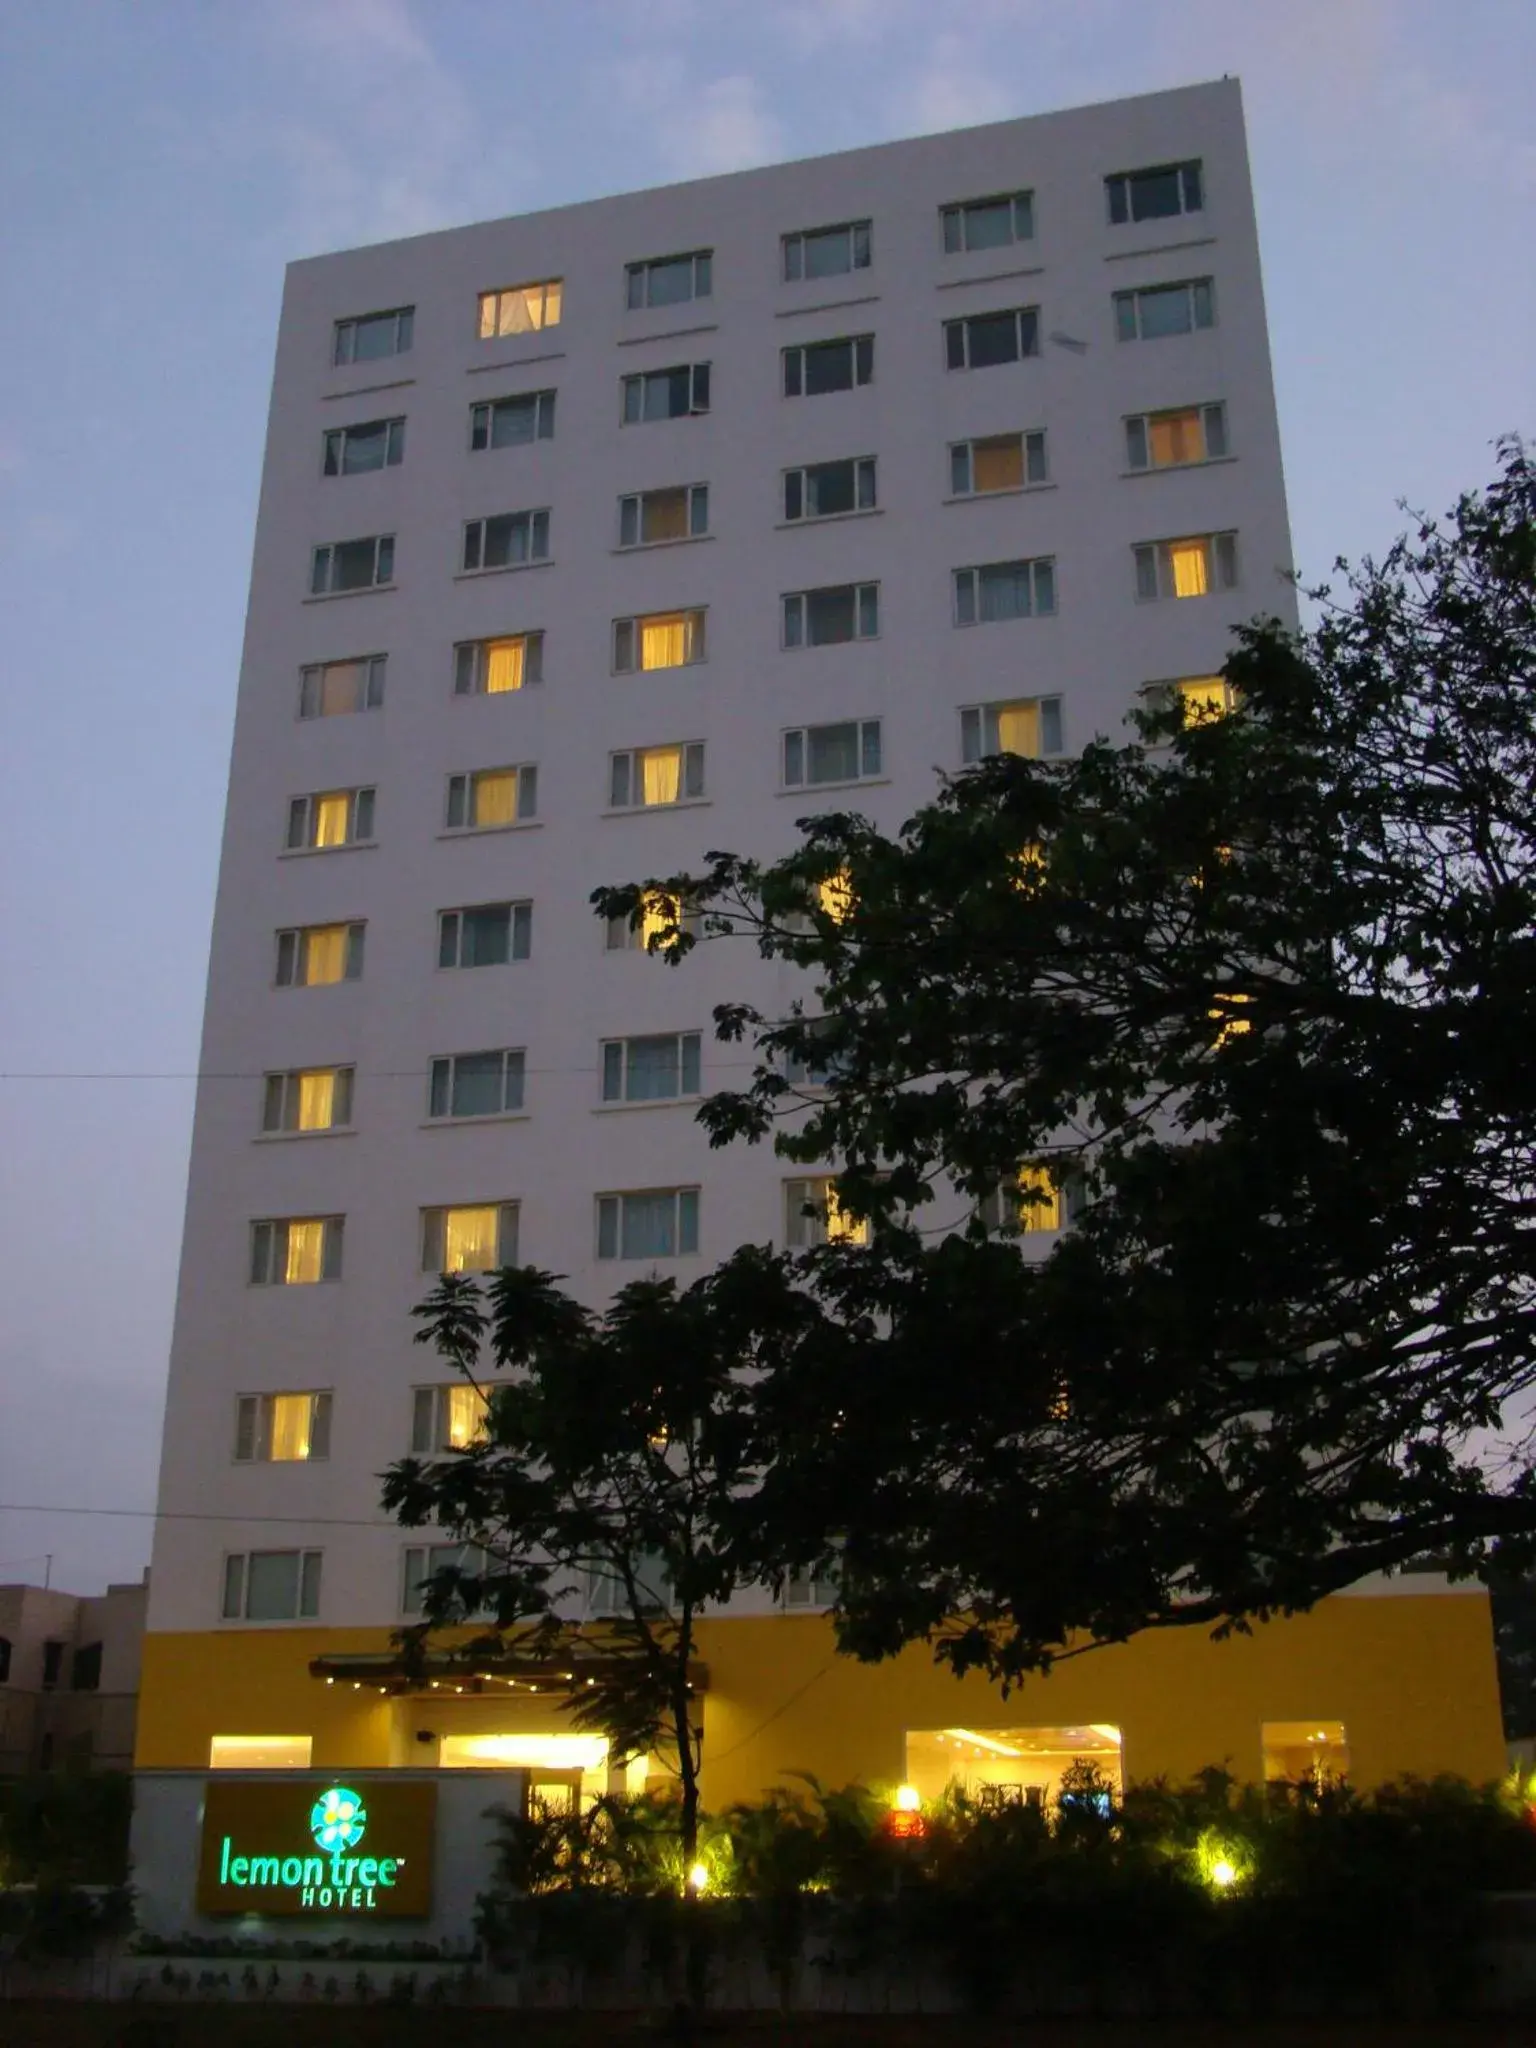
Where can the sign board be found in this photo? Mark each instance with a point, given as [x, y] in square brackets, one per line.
[354, 1849]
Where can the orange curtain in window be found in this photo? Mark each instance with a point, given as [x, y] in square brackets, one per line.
[998, 465]
[1175, 437]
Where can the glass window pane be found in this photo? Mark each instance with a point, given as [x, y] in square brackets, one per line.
[828, 367]
[669, 284]
[829, 489]
[272, 1585]
[1155, 194]
[993, 338]
[989, 226]
[470, 1239]
[1188, 568]
[652, 1069]
[664, 515]
[477, 1084]
[830, 615]
[999, 463]
[1018, 729]
[503, 666]
[495, 799]
[649, 1226]
[485, 936]
[1174, 437]
[661, 770]
[833, 752]
[829, 254]
[1164, 311]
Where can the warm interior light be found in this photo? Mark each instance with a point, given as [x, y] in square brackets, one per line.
[530, 1752]
[259, 1752]
[1222, 1872]
[907, 1799]
[698, 1878]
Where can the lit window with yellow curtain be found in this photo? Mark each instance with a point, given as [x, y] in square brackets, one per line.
[325, 954]
[1029, 866]
[1205, 697]
[1188, 568]
[331, 812]
[290, 1426]
[1226, 1013]
[495, 798]
[317, 1099]
[464, 1416]
[469, 1239]
[664, 642]
[813, 1215]
[1018, 729]
[661, 773]
[1039, 1199]
[304, 1262]
[520, 309]
[998, 463]
[657, 914]
[835, 896]
[1175, 437]
[842, 1226]
[504, 665]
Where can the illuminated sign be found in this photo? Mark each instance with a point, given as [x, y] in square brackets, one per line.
[293, 1846]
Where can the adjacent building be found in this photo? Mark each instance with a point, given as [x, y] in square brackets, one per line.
[590, 540]
[69, 1677]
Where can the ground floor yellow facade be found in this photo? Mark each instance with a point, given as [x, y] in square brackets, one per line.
[1403, 1682]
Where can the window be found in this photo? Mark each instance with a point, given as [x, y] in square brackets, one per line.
[989, 223]
[647, 776]
[486, 668]
[1001, 462]
[1204, 697]
[259, 1752]
[1165, 309]
[1000, 1766]
[512, 422]
[423, 1561]
[330, 689]
[331, 818]
[1166, 440]
[520, 309]
[822, 618]
[827, 488]
[374, 335]
[827, 252]
[353, 451]
[1185, 568]
[484, 935]
[1304, 1752]
[85, 1668]
[657, 913]
[1005, 590]
[658, 640]
[315, 955]
[5, 1659]
[308, 1099]
[800, 1589]
[822, 366]
[666, 394]
[53, 1665]
[607, 1592]
[272, 1585]
[296, 1251]
[986, 339]
[492, 797]
[343, 565]
[472, 1238]
[282, 1429]
[1156, 194]
[819, 1069]
[477, 1083]
[668, 280]
[1030, 726]
[848, 752]
[813, 1215]
[655, 1069]
[656, 1223]
[507, 541]
[447, 1418]
[651, 516]
[1035, 1202]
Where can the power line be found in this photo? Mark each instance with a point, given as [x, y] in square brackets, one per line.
[261, 1073]
[33, 1507]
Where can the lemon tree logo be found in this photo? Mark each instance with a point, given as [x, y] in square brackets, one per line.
[338, 1819]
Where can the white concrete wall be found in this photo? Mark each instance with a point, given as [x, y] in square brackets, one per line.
[355, 1336]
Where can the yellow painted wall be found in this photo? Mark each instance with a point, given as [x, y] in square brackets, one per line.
[1411, 1677]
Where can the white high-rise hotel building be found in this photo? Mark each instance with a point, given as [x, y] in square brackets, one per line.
[591, 540]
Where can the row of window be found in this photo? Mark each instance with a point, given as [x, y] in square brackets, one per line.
[997, 221]
[642, 1223]
[663, 776]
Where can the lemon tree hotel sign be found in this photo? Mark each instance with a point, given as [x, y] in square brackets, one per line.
[299, 1846]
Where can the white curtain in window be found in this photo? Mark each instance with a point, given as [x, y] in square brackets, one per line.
[306, 1252]
[521, 312]
[649, 1226]
[661, 771]
[470, 1239]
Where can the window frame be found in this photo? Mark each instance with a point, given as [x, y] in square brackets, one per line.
[494, 297]
[976, 717]
[370, 686]
[443, 1067]
[469, 1557]
[534, 526]
[519, 911]
[698, 375]
[304, 818]
[700, 279]
[289, 1090]
[804, 1232]
[253, 1426]
[1026, 331]
[689, 1058]
[793, 358]
[432, 1234]
[328, 552]
[796, 486]
[796, 638]
[470, 660]
[1032, 443]
[343, 358]
[792, 250]
[269, 1253]
[865, 729]
[1139, 436]
[953, 216]
[1223, 568]
[308, 1566]
[621, 937]
[632, 508]
[484, 412]
[1119, 188]
[464, 784]
[695, 620]
[433, 1395]
[293, 952]
[690, 775]
[685, 1222]
[1199, 291]
[967, 608]
[333, 446]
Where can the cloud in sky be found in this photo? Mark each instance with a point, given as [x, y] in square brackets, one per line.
[728, 125]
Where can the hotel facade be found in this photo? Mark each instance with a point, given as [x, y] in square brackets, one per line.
[590, 540]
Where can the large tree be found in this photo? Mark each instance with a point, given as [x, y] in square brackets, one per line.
[1254, 996]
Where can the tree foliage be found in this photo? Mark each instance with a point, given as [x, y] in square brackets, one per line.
[1257, 991]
